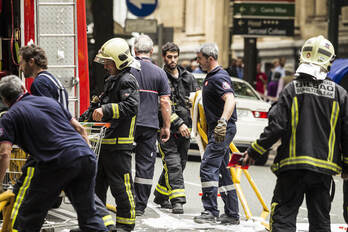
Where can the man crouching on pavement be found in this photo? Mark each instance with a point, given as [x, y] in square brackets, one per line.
[64, 161]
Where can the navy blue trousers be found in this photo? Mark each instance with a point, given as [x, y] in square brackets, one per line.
[174, 158]
[114, 171]
[145, 159]
[291, 188]
[216, 177]
[45, 183]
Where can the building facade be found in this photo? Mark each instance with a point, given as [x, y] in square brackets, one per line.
[198, 21]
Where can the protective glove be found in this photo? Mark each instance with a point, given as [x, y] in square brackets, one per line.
[220, 130]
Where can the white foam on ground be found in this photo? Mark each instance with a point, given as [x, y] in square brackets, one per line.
[167, 222]
[303, 227]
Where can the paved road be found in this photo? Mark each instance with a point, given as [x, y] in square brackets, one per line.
[157, 219]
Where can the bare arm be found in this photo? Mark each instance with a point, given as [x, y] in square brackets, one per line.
[166, 111]
[230, 103]
[80, 129]
[5, 154]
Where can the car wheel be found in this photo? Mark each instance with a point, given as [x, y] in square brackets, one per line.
[262, 161]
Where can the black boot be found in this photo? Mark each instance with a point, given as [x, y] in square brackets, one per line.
[228, 220]
[111, 228]
[177, 208]
[139, 212]
[205, 217]
[165, 204]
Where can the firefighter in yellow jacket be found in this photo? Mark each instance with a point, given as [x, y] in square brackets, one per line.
[311, 119]
[119, 105]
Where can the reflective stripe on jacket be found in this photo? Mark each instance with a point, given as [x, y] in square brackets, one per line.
[181, 88]
[120, 102]
[311, 119]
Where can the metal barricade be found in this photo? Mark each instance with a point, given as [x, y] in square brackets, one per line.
[18, 159]
[96, 133]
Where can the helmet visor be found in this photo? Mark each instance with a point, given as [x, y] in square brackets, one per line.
[99, 60]
[101, 57]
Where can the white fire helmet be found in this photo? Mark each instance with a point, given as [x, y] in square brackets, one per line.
[317, 54]
[117, 50]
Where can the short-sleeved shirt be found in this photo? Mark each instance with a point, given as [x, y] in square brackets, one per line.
[45, 84]
[153, 83]
[215, 85]
[42, 128]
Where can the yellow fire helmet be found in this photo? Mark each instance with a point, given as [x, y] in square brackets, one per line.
[117, 50]
[317, 54]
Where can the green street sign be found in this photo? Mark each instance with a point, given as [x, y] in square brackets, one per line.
[263, 27]
[262, 9]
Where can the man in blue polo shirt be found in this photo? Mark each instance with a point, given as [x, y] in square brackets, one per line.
[64, 161]
[219, 107]
[153, 86]
[33, 63]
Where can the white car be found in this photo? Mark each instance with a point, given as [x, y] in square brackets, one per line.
[251, 113]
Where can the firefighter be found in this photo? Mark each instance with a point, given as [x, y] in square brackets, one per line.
[311, 119]
[33, 63]
[119, 106]
[174, 151]
[153, 84]
[63, 159]
[219, 108]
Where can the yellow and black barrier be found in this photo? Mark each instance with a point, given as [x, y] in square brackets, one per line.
[112, 208]
[6, 204]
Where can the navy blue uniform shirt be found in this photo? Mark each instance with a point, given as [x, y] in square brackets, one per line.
[45, 84]
[41, 127]
[215, 85]
[152, 82]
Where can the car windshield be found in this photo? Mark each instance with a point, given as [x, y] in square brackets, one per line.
[244, 91]
[241, 89]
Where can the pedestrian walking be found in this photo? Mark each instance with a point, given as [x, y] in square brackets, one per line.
[153, 84]
[232, 68]
[240, 67]
[63, 159]
[174, 151]
[220, 112]
[261, 80]
[119, 106]
[310, 119]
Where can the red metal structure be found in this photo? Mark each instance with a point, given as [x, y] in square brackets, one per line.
[60, 28]
[82, 55]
